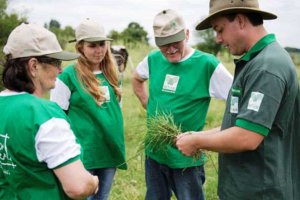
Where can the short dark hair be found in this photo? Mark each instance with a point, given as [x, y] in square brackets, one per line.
[15, 73]
[15, 76]
[254, 18]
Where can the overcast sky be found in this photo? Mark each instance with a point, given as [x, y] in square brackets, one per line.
[117, 14]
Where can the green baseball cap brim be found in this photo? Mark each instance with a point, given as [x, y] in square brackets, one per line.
[63, 55]
[160, 41]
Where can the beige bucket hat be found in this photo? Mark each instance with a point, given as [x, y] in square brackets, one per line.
[90, 31]
[168, 27]
[33, 40]
[218, 7]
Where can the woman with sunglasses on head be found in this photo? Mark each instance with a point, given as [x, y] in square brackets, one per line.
[39, 153]
[88, 91]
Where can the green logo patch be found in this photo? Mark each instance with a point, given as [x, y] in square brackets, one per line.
[173, 24]
[236, 92]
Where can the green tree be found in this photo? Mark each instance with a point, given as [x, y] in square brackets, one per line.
[7, 23]
[134, 33]
[115, 35]
[63, 35]
[54, 24]
[208, 43]
[3, 6]
[68, 30]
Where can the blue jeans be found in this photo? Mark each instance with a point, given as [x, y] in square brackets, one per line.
[185, 183]
[106, 177]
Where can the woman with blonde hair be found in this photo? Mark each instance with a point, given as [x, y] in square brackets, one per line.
[88, 91]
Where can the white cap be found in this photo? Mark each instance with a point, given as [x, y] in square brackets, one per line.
[168, 27]
[90, 31]
[32, 40]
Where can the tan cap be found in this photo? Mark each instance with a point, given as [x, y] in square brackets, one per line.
[90, 31]
[168, 27]
[33, 40]
[219, 7]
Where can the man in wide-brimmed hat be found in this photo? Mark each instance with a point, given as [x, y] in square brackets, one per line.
[260, 130]
[182, 81]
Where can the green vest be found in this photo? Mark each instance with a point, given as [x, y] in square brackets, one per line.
[5, 191]
[21, 117]
[264, 99]
[99, 129]
[180, 89]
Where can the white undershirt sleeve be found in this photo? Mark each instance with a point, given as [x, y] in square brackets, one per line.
[61, 94]
[143, 69]
[220, 82]
[55, 143]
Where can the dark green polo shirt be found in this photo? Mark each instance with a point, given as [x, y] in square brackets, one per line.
[264, 99]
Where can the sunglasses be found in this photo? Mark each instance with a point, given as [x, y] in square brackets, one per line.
[50, 61]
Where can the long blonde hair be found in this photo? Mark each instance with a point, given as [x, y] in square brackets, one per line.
[88, 79]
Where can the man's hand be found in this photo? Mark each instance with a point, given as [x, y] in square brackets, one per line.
[185, 143]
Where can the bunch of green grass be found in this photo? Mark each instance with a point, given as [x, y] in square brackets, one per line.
[162, 131]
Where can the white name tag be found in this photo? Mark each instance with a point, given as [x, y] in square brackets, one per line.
[234, 104]
[170, 83]
[255, 101]
[105, 90]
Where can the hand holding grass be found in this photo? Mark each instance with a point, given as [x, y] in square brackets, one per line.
[185, 143]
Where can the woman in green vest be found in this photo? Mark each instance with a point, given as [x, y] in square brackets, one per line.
[88, 91]
[38, 151]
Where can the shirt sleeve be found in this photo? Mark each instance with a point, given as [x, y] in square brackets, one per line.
[55, 143]
[220, 82]
[143, 69]
[261, 101]
[61, 94]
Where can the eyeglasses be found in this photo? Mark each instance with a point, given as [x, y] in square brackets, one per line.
[167, 46]
[50, 61]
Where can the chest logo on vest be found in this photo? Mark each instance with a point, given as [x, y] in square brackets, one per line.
[170, 83]
[105, 91]
[255, 101]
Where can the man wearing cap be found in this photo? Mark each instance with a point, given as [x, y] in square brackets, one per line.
[257, 144]
[182, 81]
[38, 152]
